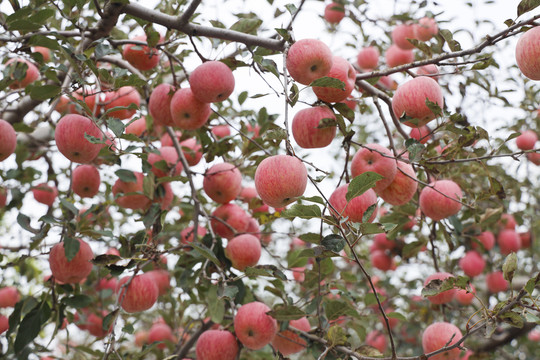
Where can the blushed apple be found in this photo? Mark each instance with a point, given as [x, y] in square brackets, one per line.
[22, 71]
[159, 104]
[287, 342]
[85, 181]
[430, 70]
[243, 251]
[466, 297]
[222, 182]
[528, 53]
[402, 189]
[45, 194]
[141, 294]
[229, 219]
[368, 58]
[496, 282]
[71, 272]
[353, 210]
[165, 161]
[440, 200]
[221, 131]
[396, 56]
[425, 29]
[438, 335]
[216, 345]
[9, 296]
[378, 159]
[309, 130]
[334, 13]
[401, 33]
[124, 97]
[508, 241]
[186, 235]
[308, 60]
[141, 57]
[211, 82]
[187, 112]
[162, 278]
[487, 239]
[377, 340]
[342, 70]
[445, 296]
[382, 261]
[472, 263]
[45, 52]
[161, 332]
[70, 138]
[8, 140]
[130, 195]
[253, 327]
[527, 140]
[422, 134]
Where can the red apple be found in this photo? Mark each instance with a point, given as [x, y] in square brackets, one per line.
[85, 181]
[3, 197]
[137, 127]
[527, 140]
[496, 282]
[221, 131]
[396, 56]
[141, 294]
[22, 71]
[4, 324]
[368, 58]
[8, 140]
[216, 345]
[381, 242]
[382, 261]
[355, 208]
[377, 340]
[141, 338]
[528, 53]
[534, 335]
[162, 278]
[437, 336]
[166, 160]
[106, 283]
[131, 193]
[430, 70]
[487, 239]
[69, 137]
[308, 60]
[141, 57]
[253, 129]
[192, 151]
[94, 325]
[45, 52]
[526, 238]
[253, 327]
[89, 97]
[162, 332]
[334, 13]
[437, 200]
[159, 104]
[445, 296]
[187, 112]
[534, 157]
[472, 263]
[288, 342]
[401, 33]
[342, 70]
[74, 271]
[298, 274]
[306, 130]
[123, 97]
[211, 82]
[167, 141]
[186, 235]
[422, 134]
[280, 180]
[508, 241]
[425, 29]
[222, 182]
[371, 158]
[243, 251]
[249, 196]
[229, 219]
[45, 194]
[402, 189]
[9, 296]
[466, 297]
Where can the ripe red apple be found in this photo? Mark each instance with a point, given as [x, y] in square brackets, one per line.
[89, 97]
[162, 332]
[222, 182]
[288, 342]
[526, 238]
[141, 338]
[141, 294]
[496, 282]
[8, 140]
[472, 263]
[45, 194]
[106, 283]
[410, 100]
[186, 235]
[437, 336]
[253, 129]
[298, 274]
[131, 193]
[534, 335]
[22, 71]
[355, 208]
[159, 104]
[528, 53]
[308, 60]
[382, 261]
[94, 325]
[306, 131]
[402, 189]
[342, 70]
[141, 57]
[445, 296]
[3, 197]
[4, 324]
[69, 137]
[45, 52]
[381, 242]
[534, 157]
[466, 297]
[527, 140]
[377, 340]
[370, 158]
[334, 13]
[85, 181]
[387, 83]
[211, 82]
[124, 97]
[508, 241]
[192, 151]
[425, 29]
[253, 327]
[280, 180]
[229, 219]
[487, 239]
[167, 141]
[169, 156]
[368, 58]
[243, 251]
[221, 131]
[162, 278]
[430, 70]
[216, 345]
[437, 200]
[396, 56]
[401, 33]
[249, 196]
[422, 134]
[9, 296]
[137, 127]
[187, 112]
[71, 272]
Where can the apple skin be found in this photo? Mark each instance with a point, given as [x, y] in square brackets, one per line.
[368, 58]
[527, 140]
[234, 216]
[85, 181]
[222, 182]
[445, 296]
[161, 332]
[341, 70]
[534, 335]
[356, 208]
[438, 206]
[159, 104]
[425, 29]
[186, 235]
[377, 340]
[187, 112]
[9, 296]
[508, 241]
[45, 52]
[94, 325]
[8, 140]
[192, 151]
[216, 345]
[280, 180]
[211, 82]
[380, 260]
[162, 278]
[137, 127]
[141, 338]
[253, 327]
[124, 96]
[249, 196]
[32, 73]
[167, 141]
[3, 197]
[401, 33]
[528, 53]
[288, 342]
[305, 128]
[87, 96]
[170, 156]
[45, 194]
[396, 56]
[334, 13]
[74, 271]
[437, 335]
[534, 158]
[298, 274]
[402, 189]
[369, 158]
[4, 324]
[221, 131]
[422, 134]
[410, 99]
[243, 251]
[131, 201]
[141, 57]
[308, 60]
[465, 297]
[487, 239]
[496, 282]
[70, 140]
[472, 263]
[430, 70]
[526, 237]
[140, 295]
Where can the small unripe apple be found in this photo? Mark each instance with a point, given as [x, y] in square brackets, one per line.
[402, 189]
[187, 112]
[71, 272]
[229, 219]
[131, 200]
[334, 13]
[472, 263]
[308, 60]
[342, 70]
[141, 294]
[9, 296]
[368, 58]
[159, 104]
[8, 140]
[306, 130]
[465, 297]
[288, 342]
[253, 327]
[211, 82]
[45, 194]
[69, 137]
[216, 345]
[528, 53]
[123, 97]
[425, 29]
[508, 241]
[396, 56]
[437, 200]
[85, 181]
[141, 57]
[487, 239]
[168, 155]
[222, 182]
[355, 208]
[243, 251]
[371, 157]
[22, 71]
[438, 335]
[280, 180]
[527, 140]
[401, 33]
[162, 332]
[410, 100]
[496, 282]
[445, 296]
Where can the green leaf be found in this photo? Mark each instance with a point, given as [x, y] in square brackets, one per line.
[71, 247]
[302, 211]
[291, 8]
[31, 325]
[242, 97]
[336, 335]
[513, 319]
[152, 215]
[126, 175]
[371, 228]
[116, 126]
[362, 183]
[453, 44]
[312, 238]
[333, 242]
[69, 206]
[510, 266]
[286, 313]
[315, 199]
[526, 6]
[248, 26]
[415, 148]
[216, 306]
[396, 315]
[336, 308]
[106, 259]
[229, 292]
[436, 286]
[24, 222]
[108, 320]
[205, 252]
[330, 82]
[77, 301]
[531, 284]
[344, 110]
[44, 92]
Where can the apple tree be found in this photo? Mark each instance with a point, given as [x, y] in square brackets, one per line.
[269, 180]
